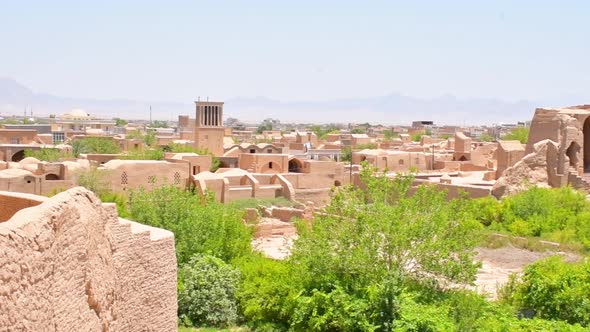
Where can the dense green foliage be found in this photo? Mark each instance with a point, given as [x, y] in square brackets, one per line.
[144, 154]
[375, 260]
[159, 124]
[553, 289]
[207, 292]
[389, 134]
[103, 145]
[417, 136]
[120, 122]
[561, 215]
[241, 204]
[485, 137]
[517, 134]
[94, 180]
[48, 154]
[199, 226]
[323, 131]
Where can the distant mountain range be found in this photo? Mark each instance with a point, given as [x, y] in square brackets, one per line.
[389, 109]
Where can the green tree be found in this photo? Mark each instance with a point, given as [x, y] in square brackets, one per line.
[93, 179]
[48, 154]
[323, 131]
[264, 126]
[390, 134]
[421, 238]
[485, 137]
[159, 124]
[206, 292]
[102, 145]
[120, 122]
[417, 136]
[358, 131]
[553, 289]
[517, 134]
[199, 226]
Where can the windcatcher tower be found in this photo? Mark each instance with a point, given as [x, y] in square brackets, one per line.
[209, 129]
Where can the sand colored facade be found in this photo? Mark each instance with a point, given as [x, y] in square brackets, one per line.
[18, 136]
[70, 264]
[124, 175]
[209, 130]
[264, 163]
[557, 153]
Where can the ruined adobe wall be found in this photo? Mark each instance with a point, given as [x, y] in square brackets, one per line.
[70, 264]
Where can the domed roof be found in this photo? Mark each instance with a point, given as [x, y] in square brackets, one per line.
[76, 113]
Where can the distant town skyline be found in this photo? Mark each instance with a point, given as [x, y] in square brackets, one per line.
[293, 51]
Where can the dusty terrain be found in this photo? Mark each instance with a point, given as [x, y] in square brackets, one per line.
[275, 239]
[498, 264]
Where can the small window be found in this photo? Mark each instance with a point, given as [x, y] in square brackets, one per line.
[152, 179]
[401, 161]
[124, 178]
[270, 165]
[269, 151]
[14, 140]
[252, 151]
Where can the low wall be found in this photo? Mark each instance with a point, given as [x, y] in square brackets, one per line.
[70, 264]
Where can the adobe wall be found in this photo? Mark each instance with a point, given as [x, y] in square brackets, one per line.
[14, 202]
[23, 136]
[134, 174]
[70, 264]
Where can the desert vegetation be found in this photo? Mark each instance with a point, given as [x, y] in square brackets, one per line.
[376, 260]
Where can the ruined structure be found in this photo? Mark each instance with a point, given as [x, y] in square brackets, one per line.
[69, 263]
[557, 153]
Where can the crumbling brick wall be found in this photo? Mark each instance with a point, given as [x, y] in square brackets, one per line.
[70, 264]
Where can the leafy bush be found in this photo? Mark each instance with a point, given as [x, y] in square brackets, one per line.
[242, 204]
[517, 134]
[199, 226]
[207, 292]
[48, 154]
[560, 215]
[94, 180]
[421, 238]
[102, 145]
[144, 154]
[266, 291]
[553, 289]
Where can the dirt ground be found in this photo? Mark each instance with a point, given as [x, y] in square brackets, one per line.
[498, 264]
[275, 239]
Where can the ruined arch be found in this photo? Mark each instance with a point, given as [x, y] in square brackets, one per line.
[18, 156]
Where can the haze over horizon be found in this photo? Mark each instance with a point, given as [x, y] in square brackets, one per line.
[399, 57]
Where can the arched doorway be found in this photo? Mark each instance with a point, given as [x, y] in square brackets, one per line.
[20, 155]
[51, 177]
[587, 145]
[295, 166]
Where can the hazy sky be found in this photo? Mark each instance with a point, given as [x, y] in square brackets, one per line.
[295, 50]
